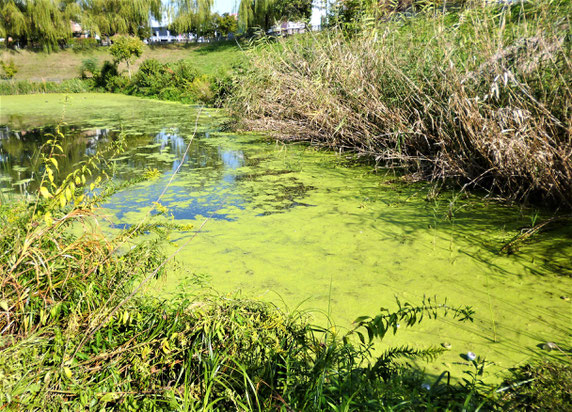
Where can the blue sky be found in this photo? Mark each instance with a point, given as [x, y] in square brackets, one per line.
[226, 6]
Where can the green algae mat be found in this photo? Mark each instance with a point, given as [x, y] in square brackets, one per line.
[306, 230]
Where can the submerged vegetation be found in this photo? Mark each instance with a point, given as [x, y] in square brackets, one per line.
[479, 94]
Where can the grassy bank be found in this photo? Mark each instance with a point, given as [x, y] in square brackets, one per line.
[480, 95]
[65, 65]
[27, 87]
[185, 73]
[76, 334]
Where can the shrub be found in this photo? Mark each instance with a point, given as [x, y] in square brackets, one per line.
[83, 45]
[184, 71]
[201, 90]
[170, 93]
[126, 49]
[9, 69]
[150, 79]
[107, 75]
[178, 81]
[89, 68]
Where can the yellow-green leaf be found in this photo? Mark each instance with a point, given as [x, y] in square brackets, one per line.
[54, 162]
[45, 192]
[145, 352]
[165, 346]
[68, 372]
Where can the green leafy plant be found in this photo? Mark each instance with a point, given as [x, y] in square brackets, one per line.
[9, 69]
[89, 68]
[126, 49]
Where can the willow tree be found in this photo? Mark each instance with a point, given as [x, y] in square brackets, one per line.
[43, 23]
[13, 20]
[265, 13]
[191, 16]
[110, 17]
[50, 22]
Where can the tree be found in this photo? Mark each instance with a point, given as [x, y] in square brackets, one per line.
[13, 22]
[265, 13]
[191, 16]
[111, 17]
[45, 23]
[294, 10]
[126, 49]
[226, 24]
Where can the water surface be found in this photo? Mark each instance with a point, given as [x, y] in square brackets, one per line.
[296, 226]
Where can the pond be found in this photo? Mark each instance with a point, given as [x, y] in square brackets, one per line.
[307, 229]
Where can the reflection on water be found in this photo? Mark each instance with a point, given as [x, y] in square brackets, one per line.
[204, 186]
[167, 151]
[20, 161]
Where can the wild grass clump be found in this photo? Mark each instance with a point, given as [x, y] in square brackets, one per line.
[539, 386]
[13, 87]
[179, 81]
[480, 94]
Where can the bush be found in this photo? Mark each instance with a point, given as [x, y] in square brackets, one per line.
[9, 70]
[177, 81]
[107, 76]
[201, 90]
[170, 93]
[184, 71]
[89, 68]
[150, 79]
[83, 45]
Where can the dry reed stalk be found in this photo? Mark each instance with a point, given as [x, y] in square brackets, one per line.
[481, 100]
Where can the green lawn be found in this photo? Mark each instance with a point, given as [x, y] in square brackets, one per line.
[39, 66]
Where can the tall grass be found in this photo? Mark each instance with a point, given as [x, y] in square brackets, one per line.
[481, 95]
[27, 87]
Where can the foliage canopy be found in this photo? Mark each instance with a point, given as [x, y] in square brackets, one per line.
[265, 13]
[48, 23]
[126, 49]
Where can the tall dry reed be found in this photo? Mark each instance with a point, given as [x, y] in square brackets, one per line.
[481, 95]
